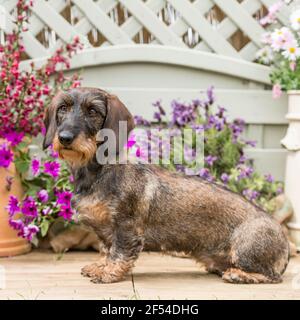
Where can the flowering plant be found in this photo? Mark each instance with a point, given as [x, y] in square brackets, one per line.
[282, 50]
[48, 198]
[23, 97]
[225, 161]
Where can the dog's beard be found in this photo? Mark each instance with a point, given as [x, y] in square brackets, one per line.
[80, 152]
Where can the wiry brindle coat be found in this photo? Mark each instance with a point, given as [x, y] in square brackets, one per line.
[134, 206]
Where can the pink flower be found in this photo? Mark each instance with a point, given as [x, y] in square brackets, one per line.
[29, 208]
[282, 39]
[52, 168]
[43, 196]
[29, 231]
[66, 212]
[6, 156]
[64, 197]
[293, 65]
[14, 137]
[35, 167]
[277, 91]
[13, 206]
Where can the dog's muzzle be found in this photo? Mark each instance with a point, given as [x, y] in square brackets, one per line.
[66, 138]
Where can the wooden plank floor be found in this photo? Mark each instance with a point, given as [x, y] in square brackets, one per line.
[45, 275]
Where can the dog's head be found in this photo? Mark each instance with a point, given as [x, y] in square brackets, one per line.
[74, 119]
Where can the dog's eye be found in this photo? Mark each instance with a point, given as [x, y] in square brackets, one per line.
[63, 108]
[92, 111]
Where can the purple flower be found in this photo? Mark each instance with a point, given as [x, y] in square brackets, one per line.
[161, 110]
[251, 194]
[269, 178]
[210, 95]
[52, 168]
[43, 196]
[210, 160]
[225, 178]
[29, 231]
[182, 114]
[53, 153]
[29, 207]
[14, 137]
[46, 210]
[16, 224]
[242, 159]
[157, 116]
[246, 172]
[205, 174]
[71, 179]
[140, 121]
[221, 111]
[64, 197]
[6, 156]
[130, 143]
[279, 190]
[35, 167]
[9, 181]
[66, 212]
[13, 206]
[251, 143]
[237, 127]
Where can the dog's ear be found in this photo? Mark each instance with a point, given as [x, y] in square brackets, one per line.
[50, 125]
[116, 112]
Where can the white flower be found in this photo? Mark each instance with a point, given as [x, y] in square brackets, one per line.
[281, 39]
[265, 55]
[292, 52]
[295, 20]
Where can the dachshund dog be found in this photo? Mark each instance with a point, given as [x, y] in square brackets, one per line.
[136, 206]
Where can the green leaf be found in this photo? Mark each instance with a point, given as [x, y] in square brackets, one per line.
[44, 226]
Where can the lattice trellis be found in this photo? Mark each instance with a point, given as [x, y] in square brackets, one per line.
[225, 27]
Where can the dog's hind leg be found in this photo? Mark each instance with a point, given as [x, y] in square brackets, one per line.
[239, 276]
[259, 253]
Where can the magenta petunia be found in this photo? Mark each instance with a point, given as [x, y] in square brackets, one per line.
[14, 137]
[35, 167]
[66, 212]
[64, 197]
[16, 224]
[43, 196]
[53, 153]
[13, 205]
[29, 207]
[29, 231]
[52, 168]
[6, 156]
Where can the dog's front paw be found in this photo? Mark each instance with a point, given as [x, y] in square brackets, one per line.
[114, 271]
[92, 270]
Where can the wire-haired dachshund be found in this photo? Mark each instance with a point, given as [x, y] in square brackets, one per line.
[134, 206]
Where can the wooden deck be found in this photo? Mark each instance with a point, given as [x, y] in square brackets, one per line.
[45, 275]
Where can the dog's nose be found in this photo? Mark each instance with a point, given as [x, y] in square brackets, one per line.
[66, 138]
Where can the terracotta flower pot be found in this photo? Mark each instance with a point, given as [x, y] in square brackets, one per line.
[10, 243]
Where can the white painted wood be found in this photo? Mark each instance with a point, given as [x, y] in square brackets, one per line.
[154, 25]
[168, 55]
[254, 106]
[102, 22]
[269, 161]
[57, 23]
[32, 46]
[241, 17]
[202, 26]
